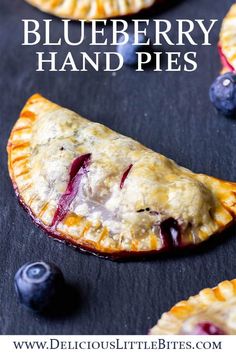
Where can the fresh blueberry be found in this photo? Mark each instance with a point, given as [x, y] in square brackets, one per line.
[223, 94]
[39, 285]
[129, 50]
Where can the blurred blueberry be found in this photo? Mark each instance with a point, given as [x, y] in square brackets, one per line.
[223, 94]
[129, 50]
[39, 284]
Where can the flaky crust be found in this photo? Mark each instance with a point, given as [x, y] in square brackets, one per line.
[217, 305]
[227, 42]
[91, 9]
[124, 199]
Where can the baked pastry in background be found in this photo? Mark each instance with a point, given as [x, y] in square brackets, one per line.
[106, 193]
[91, 9]
[227, 42]
[211, 312]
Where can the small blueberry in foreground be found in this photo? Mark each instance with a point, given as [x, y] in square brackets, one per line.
[38, 285]
[129, 50]
[223, 94]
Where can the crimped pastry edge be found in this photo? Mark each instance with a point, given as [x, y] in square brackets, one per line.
[170, 322]
[99, 12]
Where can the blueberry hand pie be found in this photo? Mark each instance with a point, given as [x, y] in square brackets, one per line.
[227, 43]
[211, 312]
[106, 193]
[91, 9]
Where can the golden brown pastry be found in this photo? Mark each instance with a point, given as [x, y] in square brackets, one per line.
[211, 312]
[227, 42]
[91, 9]
[106, 193]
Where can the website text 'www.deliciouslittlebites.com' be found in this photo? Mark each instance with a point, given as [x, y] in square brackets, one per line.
[116, 344]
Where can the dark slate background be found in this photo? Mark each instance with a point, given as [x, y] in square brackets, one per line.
[169, 112]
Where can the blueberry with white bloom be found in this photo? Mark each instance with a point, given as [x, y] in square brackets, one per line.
[39, 284]
[223, 94]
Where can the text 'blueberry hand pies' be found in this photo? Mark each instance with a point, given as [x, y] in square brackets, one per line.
[227, 42]
[211, 312]
[91, 9]
[106, 193]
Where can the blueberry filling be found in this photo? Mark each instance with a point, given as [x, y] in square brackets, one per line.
[224, 60]
[170, 233]
[77, 172]
[124, 177]
[207, 328]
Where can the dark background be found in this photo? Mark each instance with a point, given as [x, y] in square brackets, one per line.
[169, 112]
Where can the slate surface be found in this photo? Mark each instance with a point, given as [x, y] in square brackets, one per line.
[169, 112]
